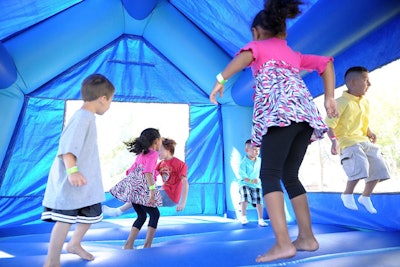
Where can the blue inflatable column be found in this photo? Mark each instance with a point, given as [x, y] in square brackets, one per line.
[11, 100]
[237, 122]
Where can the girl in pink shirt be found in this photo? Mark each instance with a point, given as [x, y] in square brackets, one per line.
[284, 119]
[139, 186]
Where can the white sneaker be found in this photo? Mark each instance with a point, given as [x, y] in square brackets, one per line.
[113, 212]
[244, 220]
[262, 223]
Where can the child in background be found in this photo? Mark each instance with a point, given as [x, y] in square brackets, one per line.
[139, 186]
[250, 183]
[350, 133]
[74, 188]
[284, 119]
[175, 186]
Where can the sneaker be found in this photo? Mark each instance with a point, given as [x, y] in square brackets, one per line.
[262, 223]
[113, 212]
[244, 220]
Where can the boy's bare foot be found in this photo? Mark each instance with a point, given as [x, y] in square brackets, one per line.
[78, 250]
[127, 247]
[306, 244]
[277, 252]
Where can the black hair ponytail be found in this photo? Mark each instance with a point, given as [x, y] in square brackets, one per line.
[273, 17]
[142, 143]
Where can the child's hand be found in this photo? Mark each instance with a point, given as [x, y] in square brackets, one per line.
[218, 88]
[331, 108]
[372, 137]
[335, 147]
[180, 206]
[77, 179]
[152, 198]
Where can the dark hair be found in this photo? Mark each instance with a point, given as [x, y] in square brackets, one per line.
[169, 145]
[95, 86]
[357, 69]
[248, 142]
[142, 143]
[273, 17]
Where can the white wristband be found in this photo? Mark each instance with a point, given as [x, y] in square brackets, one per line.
[221, 79]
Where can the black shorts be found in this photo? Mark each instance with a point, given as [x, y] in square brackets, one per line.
[89, 214]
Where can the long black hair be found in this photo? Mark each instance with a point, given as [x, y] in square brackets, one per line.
[273, 17]
[143, 143]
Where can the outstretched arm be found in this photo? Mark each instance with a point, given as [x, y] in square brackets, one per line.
[237, 64]
[185, 191]
[328, 77]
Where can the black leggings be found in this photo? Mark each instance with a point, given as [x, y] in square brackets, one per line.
[282, 152]
[141, 216]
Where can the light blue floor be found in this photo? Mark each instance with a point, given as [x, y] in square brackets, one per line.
[200, 241]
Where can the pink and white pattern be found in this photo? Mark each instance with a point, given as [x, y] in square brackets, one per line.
[133, 188]
[281, 98]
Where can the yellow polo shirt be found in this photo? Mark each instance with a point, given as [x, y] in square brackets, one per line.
[352, 124]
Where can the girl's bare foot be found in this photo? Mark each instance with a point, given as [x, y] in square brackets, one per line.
[306, 244]
[127, 246]
[277, 252]
[78, 250]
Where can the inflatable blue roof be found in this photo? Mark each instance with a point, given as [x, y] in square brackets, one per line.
[160, 51]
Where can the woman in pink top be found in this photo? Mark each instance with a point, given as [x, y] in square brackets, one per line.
[139, 186]
[284, 119]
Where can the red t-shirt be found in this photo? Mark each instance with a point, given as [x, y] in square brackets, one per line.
[171, 172]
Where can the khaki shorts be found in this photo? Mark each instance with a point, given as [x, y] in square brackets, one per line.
[364, 160]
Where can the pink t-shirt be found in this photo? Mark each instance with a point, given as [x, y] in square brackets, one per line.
[148, 161]
[278, 50]
[281, 97]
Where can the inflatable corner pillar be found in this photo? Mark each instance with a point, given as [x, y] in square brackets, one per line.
[237, 121]
[186, 47]
[8, 71]
[11, 102]
[243, 89]
[56, 44]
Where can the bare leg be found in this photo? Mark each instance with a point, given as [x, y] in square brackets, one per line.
[129, 244]
[305, 239]
[350, 185]
[347, 196]
[149, 237]
[259, 209]
[283, 247]
[244, 220]
[57, 239]
[74, 245]
[261, 221]
[244, 208]
[126, 206]
[369, 188]
[115, 212]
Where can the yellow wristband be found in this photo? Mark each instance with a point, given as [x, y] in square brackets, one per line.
[152, 187]
[72, 170]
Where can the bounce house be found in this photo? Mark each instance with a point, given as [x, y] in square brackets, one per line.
[169, 51]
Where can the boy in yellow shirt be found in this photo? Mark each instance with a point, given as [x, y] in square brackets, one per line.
[351, 136]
